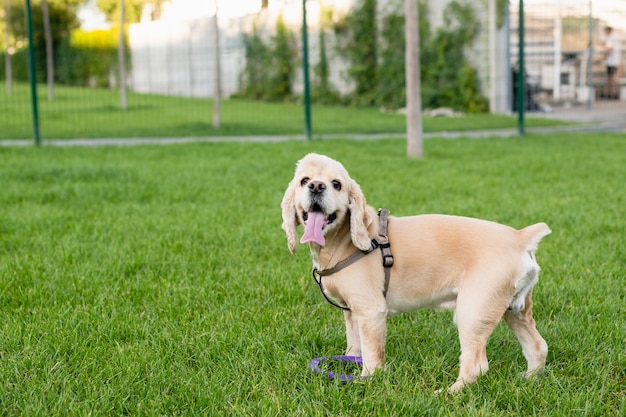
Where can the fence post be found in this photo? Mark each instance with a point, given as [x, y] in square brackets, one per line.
[590, 59]
[305, 69]
[32, 73]
[8, 76]
[521, 91]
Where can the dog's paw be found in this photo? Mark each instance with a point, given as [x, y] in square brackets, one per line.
[517, 305]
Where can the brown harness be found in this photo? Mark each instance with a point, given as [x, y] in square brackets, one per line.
[382, 242]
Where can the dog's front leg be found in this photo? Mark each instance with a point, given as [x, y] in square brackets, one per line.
[372, 328]
[352, 334]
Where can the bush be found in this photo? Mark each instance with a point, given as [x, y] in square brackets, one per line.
[358, 44]
[80, 59]
[450, 81]
[447, 78]
[19, 67]
[88, 57]
[282, 63]
[322, 92]
[269, 69]
[376, 65]
[391, 88]
[254, 77]
[62, 20]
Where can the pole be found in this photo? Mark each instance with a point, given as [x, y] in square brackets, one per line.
[32, 73]
[509, 76]
[121, 57]
[521, 91]
[492, 56]
[49, 49]
[305, 69]
[217, 97]
[8, 76]
[590, 60]
[556, 68]
[415, 146]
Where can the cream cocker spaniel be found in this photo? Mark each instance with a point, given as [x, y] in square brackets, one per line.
[483, 270]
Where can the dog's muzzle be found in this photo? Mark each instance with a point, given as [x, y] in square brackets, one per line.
[316, 187]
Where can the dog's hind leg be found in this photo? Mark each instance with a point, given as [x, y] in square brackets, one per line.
[534, 347]
[477, 314]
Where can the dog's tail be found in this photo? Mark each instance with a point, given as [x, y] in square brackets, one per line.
[532, 235]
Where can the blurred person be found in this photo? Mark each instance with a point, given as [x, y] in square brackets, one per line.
[612, 56]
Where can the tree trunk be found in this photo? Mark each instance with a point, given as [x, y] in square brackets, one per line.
[8, 69]
[121, 57]
[413, 82]
[217, 99]
[49, 49]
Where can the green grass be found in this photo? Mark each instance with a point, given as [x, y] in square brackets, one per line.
[87, 113]
[156, 280]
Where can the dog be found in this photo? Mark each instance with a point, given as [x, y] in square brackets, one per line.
[483, 270]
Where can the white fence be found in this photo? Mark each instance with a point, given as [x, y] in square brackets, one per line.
[178, 58]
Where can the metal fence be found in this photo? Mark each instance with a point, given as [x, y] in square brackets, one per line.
[564, 70]
[564, 57]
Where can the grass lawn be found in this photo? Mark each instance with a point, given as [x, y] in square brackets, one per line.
[156, 280]
[87, 113]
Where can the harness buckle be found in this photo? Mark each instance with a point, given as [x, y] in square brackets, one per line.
[387, 260]
[385, 249]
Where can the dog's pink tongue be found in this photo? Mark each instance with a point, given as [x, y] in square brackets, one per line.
[313, 228]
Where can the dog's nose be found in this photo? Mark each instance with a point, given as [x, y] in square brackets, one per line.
[316, 187]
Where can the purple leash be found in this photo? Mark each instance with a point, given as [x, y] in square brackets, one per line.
[315, 366]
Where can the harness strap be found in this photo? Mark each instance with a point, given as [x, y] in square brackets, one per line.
[382, 242]
[316, 273]
[385, 247]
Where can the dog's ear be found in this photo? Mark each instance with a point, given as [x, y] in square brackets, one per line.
[359, 218]
[290, 218]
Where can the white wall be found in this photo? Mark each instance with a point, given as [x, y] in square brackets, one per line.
[177, 58]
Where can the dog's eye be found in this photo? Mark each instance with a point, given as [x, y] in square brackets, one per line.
[304, 181]
[336, 185]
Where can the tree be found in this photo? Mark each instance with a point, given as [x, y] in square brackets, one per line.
[62, 20]
[413, 84]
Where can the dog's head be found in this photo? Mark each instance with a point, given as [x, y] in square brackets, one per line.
[322, 196]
